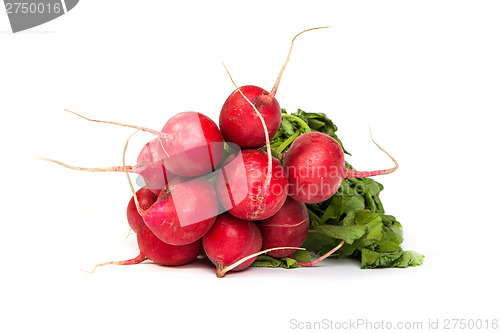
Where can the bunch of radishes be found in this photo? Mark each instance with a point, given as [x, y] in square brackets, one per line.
[221, 192]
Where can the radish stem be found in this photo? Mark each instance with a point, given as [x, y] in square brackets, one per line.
[359, 174]
[314, 262]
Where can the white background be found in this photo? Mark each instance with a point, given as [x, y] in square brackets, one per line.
[424, 74]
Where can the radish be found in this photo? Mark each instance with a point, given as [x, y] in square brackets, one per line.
[255, 199]
[196, 147]
[229, 240]
[146, 199]
[184, 212]
[315, 167]
[288, 227]
[244, 188]
[152, 248]
[234, 244]
[240, 124]
[165, 254]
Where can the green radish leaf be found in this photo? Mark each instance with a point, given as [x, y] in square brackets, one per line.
[347, 233]
[400, 259]
[302, 256]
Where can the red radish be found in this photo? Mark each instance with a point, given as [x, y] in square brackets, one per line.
[184, 213]
[238, 121]
[165, 254]
[288, 227]
[146, 199]
[241, 185]
[315, 167]
[152, 248]
[196, 147]
[229, 240]
[190, 144]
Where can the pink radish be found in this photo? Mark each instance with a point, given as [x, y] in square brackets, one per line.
[146, 199]
[196, 147]
[165, 254]
[229, 240]
[152, 248]
[240, 124]
[315, 167]
[190, 144]
[184, 213]
[241, 185]
[288, 227]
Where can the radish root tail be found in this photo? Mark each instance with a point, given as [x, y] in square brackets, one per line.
[359, 174]
[158, 134]
[222, 270]
[326, 255]
[137, 260]
[276, 84]
[136, 201]
[101, 169]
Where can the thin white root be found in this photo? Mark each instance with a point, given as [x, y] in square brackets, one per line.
[163, 148]
[385, 151]
[276, 84]
[139, 208]
[358, 174]
[221, 271]
[158, 134]
[102, 169]
[115, 123]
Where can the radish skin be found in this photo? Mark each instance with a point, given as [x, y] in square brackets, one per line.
[146, 199]
[315, 167]
[184, 213]
[229, 240]
[241, 185]
[288, 227]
